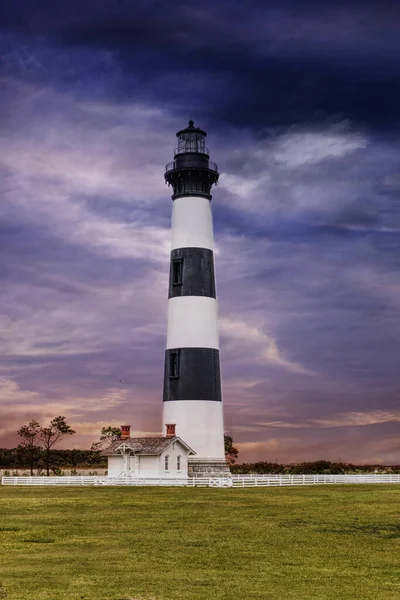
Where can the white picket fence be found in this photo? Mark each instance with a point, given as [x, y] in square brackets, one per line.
[243, 481]
[278, 480]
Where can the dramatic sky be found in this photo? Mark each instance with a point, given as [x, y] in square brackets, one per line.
[301, 101]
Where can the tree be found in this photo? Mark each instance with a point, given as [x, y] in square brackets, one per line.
[108, 436]
[49, 436]
[231, 453]
[29, 452]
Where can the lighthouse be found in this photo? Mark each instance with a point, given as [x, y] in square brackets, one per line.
[192, 398]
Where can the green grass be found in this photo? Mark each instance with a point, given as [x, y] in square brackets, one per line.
[305, 543]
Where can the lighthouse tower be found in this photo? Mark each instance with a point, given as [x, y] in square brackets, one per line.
[192, 382]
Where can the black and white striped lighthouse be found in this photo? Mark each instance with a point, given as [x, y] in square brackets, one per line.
[192, 381]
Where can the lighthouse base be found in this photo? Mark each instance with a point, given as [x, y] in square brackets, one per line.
[208, 467]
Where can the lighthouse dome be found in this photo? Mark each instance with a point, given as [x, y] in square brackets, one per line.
[191, 140]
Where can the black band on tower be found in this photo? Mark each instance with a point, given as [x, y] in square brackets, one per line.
[192, 374]
[192, 273]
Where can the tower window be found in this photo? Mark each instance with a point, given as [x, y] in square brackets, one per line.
[177, 264]
[166, 463]
[174, 364]
[178, 463]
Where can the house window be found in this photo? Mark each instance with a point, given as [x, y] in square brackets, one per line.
[174, 364]
[177, 264]
[166, 462]
[178, 463]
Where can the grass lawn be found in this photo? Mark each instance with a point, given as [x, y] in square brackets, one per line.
[300, 543]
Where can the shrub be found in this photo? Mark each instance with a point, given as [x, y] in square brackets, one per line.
[58, 472]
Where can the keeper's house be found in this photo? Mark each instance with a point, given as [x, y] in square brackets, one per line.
[148, 457]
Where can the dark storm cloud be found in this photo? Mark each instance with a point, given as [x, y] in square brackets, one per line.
[263, 65]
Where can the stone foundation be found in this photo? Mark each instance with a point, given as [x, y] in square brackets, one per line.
[208, 467]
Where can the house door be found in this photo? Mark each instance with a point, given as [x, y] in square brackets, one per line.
[125, 463]
[132, 461]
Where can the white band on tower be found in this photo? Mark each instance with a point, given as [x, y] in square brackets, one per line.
[192, 322]
[192, 223]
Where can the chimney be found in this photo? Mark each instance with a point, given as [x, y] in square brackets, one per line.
[125, 432]
[171, 430]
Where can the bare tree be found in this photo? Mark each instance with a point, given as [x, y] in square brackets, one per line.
[49, 436]
[28, 449]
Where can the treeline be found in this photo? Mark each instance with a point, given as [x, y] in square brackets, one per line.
[323, 467]
[21, 458]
